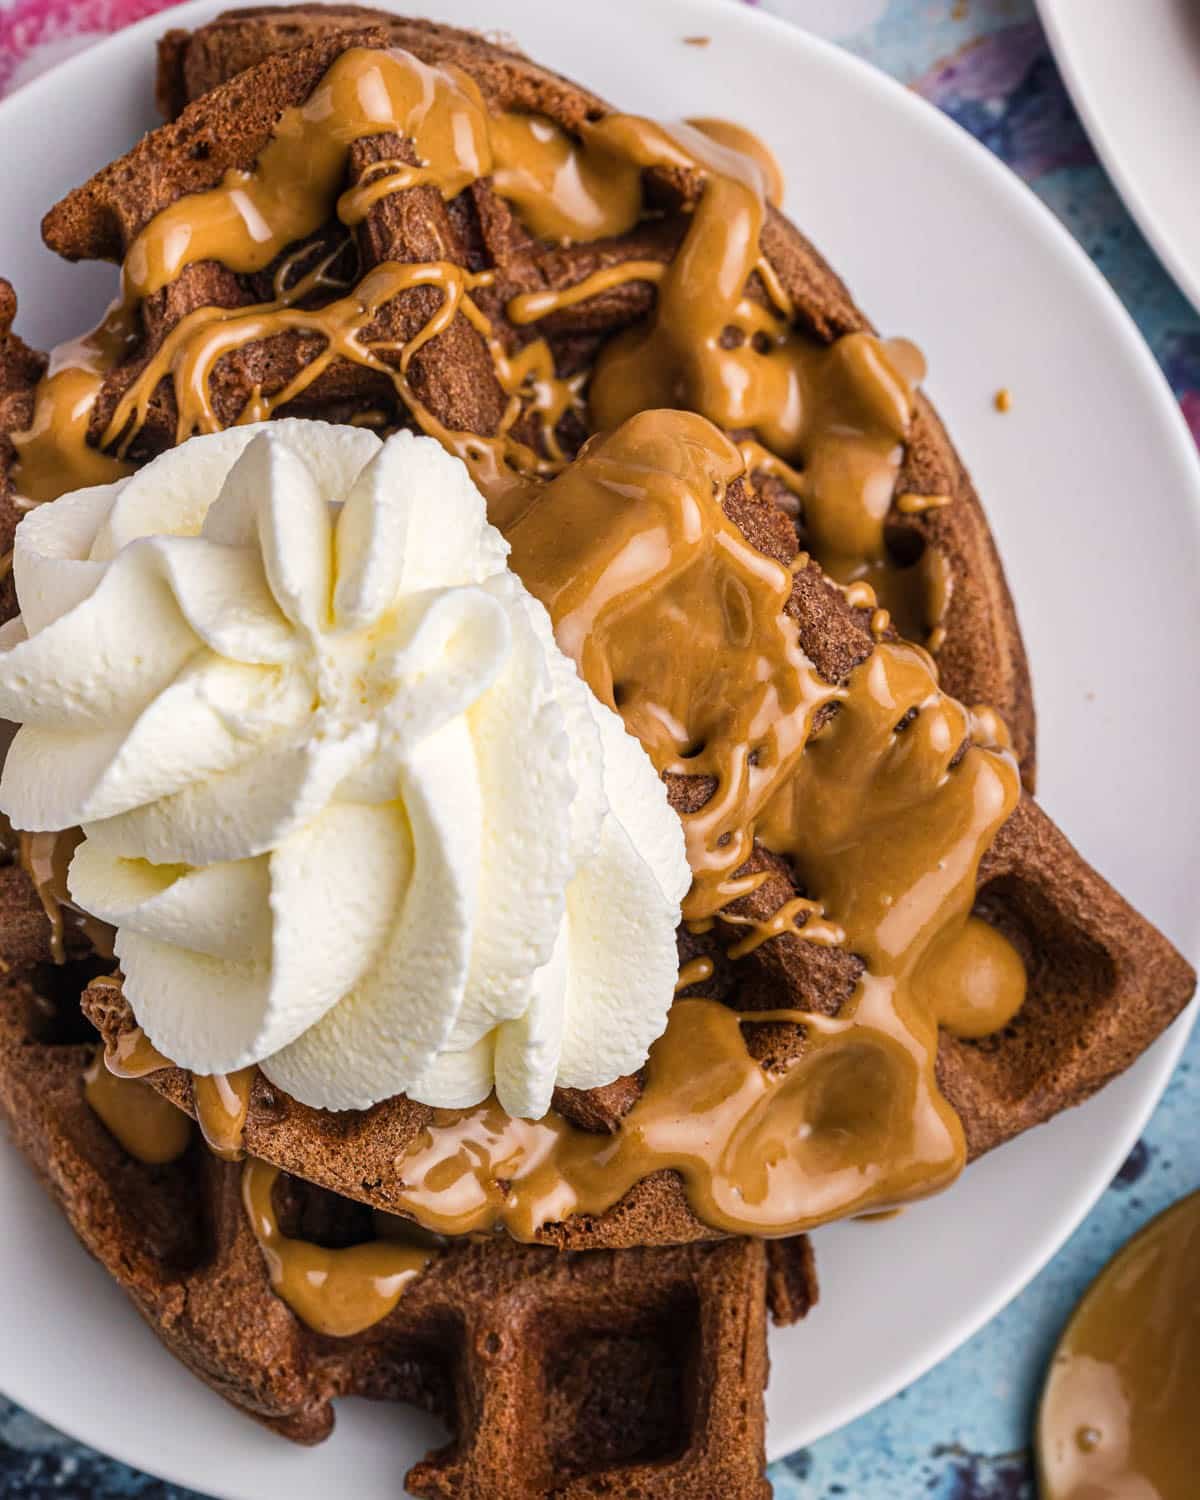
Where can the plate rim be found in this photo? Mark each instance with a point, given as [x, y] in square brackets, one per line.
[1053, 16]
[1159, 1062]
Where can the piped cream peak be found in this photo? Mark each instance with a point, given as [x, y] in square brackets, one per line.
[352, 812]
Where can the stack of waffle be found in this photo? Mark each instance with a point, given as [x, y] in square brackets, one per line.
[624, 1353]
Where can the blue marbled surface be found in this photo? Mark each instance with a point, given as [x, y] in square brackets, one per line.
[961, 1433]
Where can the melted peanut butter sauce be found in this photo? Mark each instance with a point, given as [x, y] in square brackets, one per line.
[54, 455]
[695, 971]
[811, 927]
[885, 813]
[631, 545]
[842, 411]
[910, 504]
[148, 1126]
[132, 1054]
[853, 1123]
[913, 599]
[1118, 1419]
[836, 416]
[221, 1100]
[564, 189]
[251, 217]
[528, 307]
[335, 1292]
[973, 980]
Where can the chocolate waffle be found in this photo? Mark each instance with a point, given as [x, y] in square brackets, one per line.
[1102, 984]
[1101, 981]
[1082, 1020]
[965, 610]
[630, 1374]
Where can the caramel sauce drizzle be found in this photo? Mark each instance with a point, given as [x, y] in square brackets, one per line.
[854, 1123]
[812, 928]
[695, 971]
[335, 1292]
[145, 1123]
[837, 416]
[910, 504]
[46, 858]
[883, 814]
[743, 142]
[221, 1100]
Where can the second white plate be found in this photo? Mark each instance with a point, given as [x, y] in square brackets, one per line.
[1133, 72]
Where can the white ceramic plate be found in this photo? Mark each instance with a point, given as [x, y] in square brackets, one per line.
[1134, 74]
[1092, 486]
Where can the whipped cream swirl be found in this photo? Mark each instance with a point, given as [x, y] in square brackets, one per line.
[352, 812]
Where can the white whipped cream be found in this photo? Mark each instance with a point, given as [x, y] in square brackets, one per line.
[353, 814]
